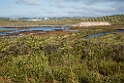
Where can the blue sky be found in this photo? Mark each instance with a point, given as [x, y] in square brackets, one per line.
[60, 8]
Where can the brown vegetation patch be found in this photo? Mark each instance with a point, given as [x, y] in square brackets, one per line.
[41, 33]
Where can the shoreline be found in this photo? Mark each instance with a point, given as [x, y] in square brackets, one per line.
[28, 26]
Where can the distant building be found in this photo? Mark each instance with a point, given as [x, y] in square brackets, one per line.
[13, 19]
[46, 18]
[34, 19]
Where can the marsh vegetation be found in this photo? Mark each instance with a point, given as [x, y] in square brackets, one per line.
[63, 58]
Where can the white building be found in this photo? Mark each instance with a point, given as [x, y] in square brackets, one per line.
[34, 19]
[13, 19]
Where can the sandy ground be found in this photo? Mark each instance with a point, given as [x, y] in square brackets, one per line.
[91, 24]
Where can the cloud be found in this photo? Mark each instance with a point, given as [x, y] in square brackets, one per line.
[98, 9]
[47, 11]
[79, 13]
[119, 6]
[91, 10]
[89, 7]
[27, 2]
[89, 2]
[58, 4]
[95, 0]
[100, 1]
[77, 7]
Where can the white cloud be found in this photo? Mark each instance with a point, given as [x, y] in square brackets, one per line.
[90, 1]
[91, 10]
[27, 2]
[47, 11]
[99, 9]
[78, 7]
[58, 4]
[119, 7]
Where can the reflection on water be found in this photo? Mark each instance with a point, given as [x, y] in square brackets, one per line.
[42, 29]
[7, 29]
[4, 31]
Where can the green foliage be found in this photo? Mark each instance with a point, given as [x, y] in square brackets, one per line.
[119, 18]
[63, 59]
[114, 18]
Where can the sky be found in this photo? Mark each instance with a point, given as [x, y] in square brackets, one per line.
[60, 8]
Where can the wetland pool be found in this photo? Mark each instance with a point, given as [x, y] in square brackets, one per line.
[102, 33]
[9, 31]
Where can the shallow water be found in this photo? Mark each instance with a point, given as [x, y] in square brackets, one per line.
[42, 29]
[7, 28]
[102, 33]
[7, 31]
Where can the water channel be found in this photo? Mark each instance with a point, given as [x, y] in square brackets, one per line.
[102, 33]
[8, 31]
